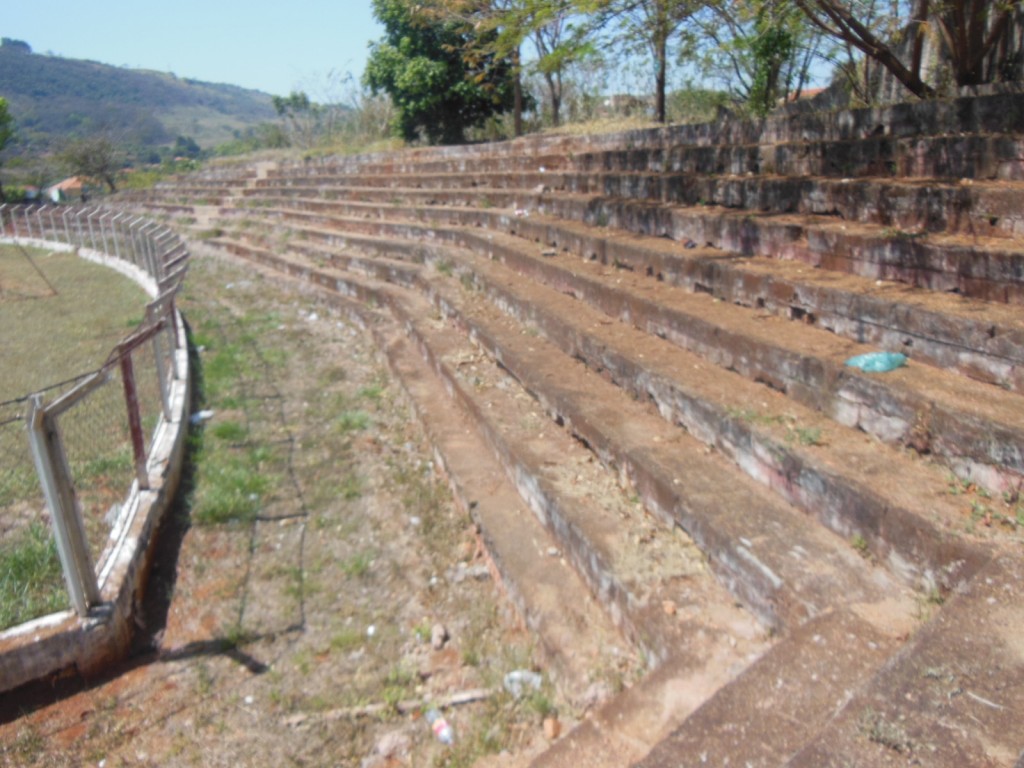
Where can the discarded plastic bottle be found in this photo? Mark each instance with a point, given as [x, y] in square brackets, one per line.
[442, 730]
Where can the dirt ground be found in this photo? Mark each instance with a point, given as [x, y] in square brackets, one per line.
[311, 631]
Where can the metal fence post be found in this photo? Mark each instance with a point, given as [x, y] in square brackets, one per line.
[55, 477]
[131, 399]
[103, 232]
[116, 235]
[67, 228]
[153, 316]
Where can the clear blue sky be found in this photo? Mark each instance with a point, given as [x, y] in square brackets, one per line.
[274, 46]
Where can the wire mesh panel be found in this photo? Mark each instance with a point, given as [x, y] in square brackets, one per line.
[97, 444]
[148, 386]
[93, 428]
[21, 498]
[31, 581]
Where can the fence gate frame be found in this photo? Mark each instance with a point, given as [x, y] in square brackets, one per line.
[58, 486]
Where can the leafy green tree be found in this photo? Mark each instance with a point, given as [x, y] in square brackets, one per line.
[94, 157]
[6, 134]
[545, 22]
[186, 146]
[761, 49]
[437, 90]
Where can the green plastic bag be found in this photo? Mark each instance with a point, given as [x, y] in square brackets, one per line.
[878, 362]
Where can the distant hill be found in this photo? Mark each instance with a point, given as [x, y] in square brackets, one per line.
[52, 98]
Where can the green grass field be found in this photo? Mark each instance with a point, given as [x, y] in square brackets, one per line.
[60, 316]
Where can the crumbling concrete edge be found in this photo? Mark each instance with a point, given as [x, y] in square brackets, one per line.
[63, 641]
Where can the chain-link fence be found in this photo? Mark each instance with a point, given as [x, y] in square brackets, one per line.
[73, 456]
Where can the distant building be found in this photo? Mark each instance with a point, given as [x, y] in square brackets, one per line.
[72, 189]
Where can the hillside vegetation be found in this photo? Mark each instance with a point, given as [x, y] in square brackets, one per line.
[53, 98]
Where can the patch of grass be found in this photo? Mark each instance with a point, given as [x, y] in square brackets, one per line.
[229, 431]
[31, 579]
[351, 487]
[806, 435]
[204, 679]
[27, 745]
[373, 393]
[352, 421]
[232, 488]
[358, 565]
[221, 369]
[399, 684]
[53, 336]
[346, 639]
[17, 483]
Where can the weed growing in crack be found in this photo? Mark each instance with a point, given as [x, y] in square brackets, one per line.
[882, 730]
[860, 545]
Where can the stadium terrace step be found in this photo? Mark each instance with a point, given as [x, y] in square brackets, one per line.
[947, 157]
[784, 701]
[933, 411]
[951, 697]
[784, 569]
[988, 268]
[983, 209]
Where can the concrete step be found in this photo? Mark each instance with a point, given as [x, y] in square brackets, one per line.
[928, 409]
[981, 339]
[977, 208]
[953, 696]
[785, 700]
[783, 568]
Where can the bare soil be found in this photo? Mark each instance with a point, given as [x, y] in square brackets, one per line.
[311, 635]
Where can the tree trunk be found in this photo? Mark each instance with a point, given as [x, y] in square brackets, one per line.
[517, 96]
[660, 78]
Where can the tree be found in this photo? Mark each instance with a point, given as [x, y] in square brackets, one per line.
[762, 49]
[94, 157]
[438, 92]
[492, 30]
[970, 30]
[300, 116]
[556, 46]
[6, 135]
[186, 146]
[650, 25]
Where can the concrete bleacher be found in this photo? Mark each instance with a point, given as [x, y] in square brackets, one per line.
[675, 307]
